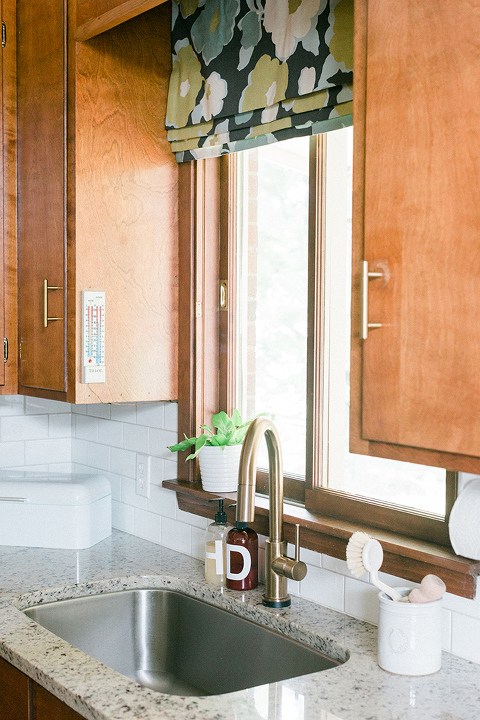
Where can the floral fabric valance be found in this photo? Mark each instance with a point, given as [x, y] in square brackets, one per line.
[250, 72]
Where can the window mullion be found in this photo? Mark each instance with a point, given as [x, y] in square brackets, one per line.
[316, 357]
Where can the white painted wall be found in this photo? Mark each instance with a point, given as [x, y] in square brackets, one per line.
[60, 437]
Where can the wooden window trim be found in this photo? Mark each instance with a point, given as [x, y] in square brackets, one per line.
[403, 556]
[206, 375]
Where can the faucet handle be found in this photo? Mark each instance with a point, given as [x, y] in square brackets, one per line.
[297, 543]
[292, 568]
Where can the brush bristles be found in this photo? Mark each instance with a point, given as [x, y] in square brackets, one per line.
[354, 553]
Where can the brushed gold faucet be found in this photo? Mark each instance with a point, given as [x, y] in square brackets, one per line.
[278, 567]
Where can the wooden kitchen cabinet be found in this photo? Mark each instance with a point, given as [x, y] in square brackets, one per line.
[8, 243]
[24, 699]
[416, 379]
[96, 16]
[97, 204]
[14, 693]
[45, 706]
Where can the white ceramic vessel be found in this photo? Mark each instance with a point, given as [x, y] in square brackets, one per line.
[219, 467]
[409, 636]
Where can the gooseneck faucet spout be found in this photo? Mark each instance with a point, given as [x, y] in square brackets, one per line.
[278, 567]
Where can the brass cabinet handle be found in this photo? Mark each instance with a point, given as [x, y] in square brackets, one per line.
[46, 288]
[365, 326]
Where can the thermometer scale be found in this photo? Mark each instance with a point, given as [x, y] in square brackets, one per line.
[93, 336]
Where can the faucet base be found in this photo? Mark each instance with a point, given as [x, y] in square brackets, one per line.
[285, 602]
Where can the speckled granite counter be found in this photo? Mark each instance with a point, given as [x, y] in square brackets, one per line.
[356, 690]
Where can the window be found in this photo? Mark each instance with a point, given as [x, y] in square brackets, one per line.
[282, 335]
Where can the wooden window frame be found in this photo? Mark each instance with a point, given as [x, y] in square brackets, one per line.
[206, 384]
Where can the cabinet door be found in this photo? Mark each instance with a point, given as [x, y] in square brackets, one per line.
[13, 693]
[421, 214]
[41, 190]
[47, 707]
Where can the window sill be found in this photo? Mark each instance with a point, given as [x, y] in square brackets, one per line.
[404, 557]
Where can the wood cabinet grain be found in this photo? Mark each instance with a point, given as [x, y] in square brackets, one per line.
[14, 693]
[96, 16]
[416, 219]
[41, 162]
[98, 205]
[24, 699]
[45, 706]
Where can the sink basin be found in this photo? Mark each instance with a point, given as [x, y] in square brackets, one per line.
[176, 644]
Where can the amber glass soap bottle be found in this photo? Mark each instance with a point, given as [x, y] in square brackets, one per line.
[242, 558]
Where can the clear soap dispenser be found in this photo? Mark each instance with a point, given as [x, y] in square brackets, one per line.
[215, 539]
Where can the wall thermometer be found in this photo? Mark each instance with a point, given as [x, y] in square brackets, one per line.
[93, 336]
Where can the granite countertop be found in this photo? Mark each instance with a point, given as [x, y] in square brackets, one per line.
[356, 690]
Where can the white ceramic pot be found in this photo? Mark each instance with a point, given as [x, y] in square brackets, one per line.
[464, 522]
[409, 636]
[219, 467]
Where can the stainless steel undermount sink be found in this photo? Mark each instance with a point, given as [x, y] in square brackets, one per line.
[176, 644]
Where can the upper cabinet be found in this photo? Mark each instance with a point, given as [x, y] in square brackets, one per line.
[96, 16]
[8, 200]
[97, 194]
[417, 221]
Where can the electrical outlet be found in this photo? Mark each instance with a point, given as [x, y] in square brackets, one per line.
[142, 485]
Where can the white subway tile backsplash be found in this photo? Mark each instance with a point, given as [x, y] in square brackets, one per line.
[157, 470]
[100, 410]
[446, 630]
[158, 442]
[130, 497]
[171, 416]
[465, 637]
[26, 427]
[176, 535]
[12, 405]
[123, 462]
[124, 412]
[170, 469]
[55, 436]
[79, 450]
[148, 525]
[198, 543]
[55, 450]
[110, 433]
[161, 501]
[463, 605]
[98, 456]
[60, 425]
[86, 427]
[40, 406]
[151, 415]
[194, 520]
[361, 600]
[79, 409]
[123, 517]
[135, 437]
[324, 587]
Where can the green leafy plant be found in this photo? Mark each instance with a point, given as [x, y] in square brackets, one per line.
[229, 431]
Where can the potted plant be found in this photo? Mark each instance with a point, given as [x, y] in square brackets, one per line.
[220, 448]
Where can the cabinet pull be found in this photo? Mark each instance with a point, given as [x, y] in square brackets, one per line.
[365, 326]
[46, 288]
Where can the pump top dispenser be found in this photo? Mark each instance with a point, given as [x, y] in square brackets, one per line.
[215, 540]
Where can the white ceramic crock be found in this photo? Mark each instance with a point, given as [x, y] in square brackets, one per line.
[219, 467]
[409, 636]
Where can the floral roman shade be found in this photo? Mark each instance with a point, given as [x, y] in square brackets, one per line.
[250, 72]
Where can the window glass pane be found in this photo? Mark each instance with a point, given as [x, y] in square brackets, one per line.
[389, 481]
[272, 256]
